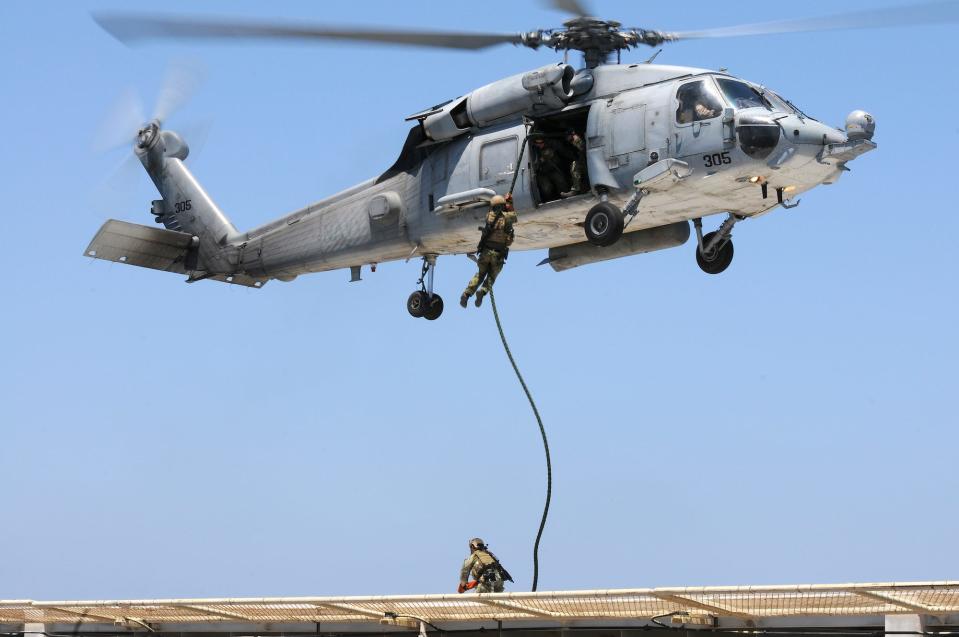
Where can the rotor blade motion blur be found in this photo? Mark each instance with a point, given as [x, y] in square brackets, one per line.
[898, 16]
[132, 28]
[180, 83]
[576, 7]
[120, 126]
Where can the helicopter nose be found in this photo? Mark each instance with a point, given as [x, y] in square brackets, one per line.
[802, 130]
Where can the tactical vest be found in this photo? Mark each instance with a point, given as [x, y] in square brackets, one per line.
[485, 563]
[501, 231]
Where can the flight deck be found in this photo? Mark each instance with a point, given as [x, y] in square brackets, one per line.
[834, 609]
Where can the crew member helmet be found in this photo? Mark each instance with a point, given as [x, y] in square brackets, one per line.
[477, 544]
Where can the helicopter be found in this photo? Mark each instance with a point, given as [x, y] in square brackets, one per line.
[661, 147]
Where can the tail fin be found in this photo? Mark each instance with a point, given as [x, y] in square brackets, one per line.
[185, 207]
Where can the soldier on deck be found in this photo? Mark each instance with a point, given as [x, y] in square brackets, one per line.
[488, 574]
[492, 250]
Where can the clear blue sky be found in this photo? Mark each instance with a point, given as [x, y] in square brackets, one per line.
[792, 420]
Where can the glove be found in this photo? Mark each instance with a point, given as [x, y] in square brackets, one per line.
[461, 589]
[472, 585]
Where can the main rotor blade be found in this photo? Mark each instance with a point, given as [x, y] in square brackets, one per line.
[576, 7]
[897, 16]
[132, 28]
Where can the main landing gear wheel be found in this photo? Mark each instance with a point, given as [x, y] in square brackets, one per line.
[719, 260]
[604, 224]
[418, 303]
[424, 303]
[434, 308]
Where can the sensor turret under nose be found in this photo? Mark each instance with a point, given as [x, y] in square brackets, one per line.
[860, 125]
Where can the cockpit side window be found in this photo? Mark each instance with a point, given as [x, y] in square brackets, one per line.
[742, 95]
[697, 101]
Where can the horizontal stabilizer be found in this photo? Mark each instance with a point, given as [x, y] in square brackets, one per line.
[133, 244]
[157, 249]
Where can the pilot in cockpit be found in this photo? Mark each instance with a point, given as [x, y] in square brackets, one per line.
[696, 104]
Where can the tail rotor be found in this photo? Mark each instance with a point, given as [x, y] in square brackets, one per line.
[127, 125]
[127, 118]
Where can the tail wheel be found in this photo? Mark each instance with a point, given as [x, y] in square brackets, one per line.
[434, 308]
[604, 224]
[418, 303]
[719, 261]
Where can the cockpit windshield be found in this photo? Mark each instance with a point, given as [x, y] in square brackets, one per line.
[783, 104]
[778, 103]
[742, 95]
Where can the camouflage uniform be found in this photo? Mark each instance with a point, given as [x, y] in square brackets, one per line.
[493, 254]
[476, 564]
[577, 170]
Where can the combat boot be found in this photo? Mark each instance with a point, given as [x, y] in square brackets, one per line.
[463, 299]
[479, 298]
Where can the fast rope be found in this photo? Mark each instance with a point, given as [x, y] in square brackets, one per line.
[529, 397]
[542, 431]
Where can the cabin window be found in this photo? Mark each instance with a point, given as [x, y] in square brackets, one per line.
[742, 95]
[498, 161]
[697, 101]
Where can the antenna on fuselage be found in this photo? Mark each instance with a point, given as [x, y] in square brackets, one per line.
[653, 57]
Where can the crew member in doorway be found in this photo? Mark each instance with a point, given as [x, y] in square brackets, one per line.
[577, 168]
[492, 250]
[489, 576]
[549, 173]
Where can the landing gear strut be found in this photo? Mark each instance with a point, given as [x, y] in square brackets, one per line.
[424, 303]
[714, 251]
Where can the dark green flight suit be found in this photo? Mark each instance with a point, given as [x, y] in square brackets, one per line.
[549, 173]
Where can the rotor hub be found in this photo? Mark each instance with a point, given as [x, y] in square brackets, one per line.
[595, 38]
[147, 135]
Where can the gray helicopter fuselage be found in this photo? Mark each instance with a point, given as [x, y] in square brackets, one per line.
[736, 145]
[631, 119]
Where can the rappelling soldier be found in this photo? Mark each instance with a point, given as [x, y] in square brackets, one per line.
[492, 250]
[489, 576]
